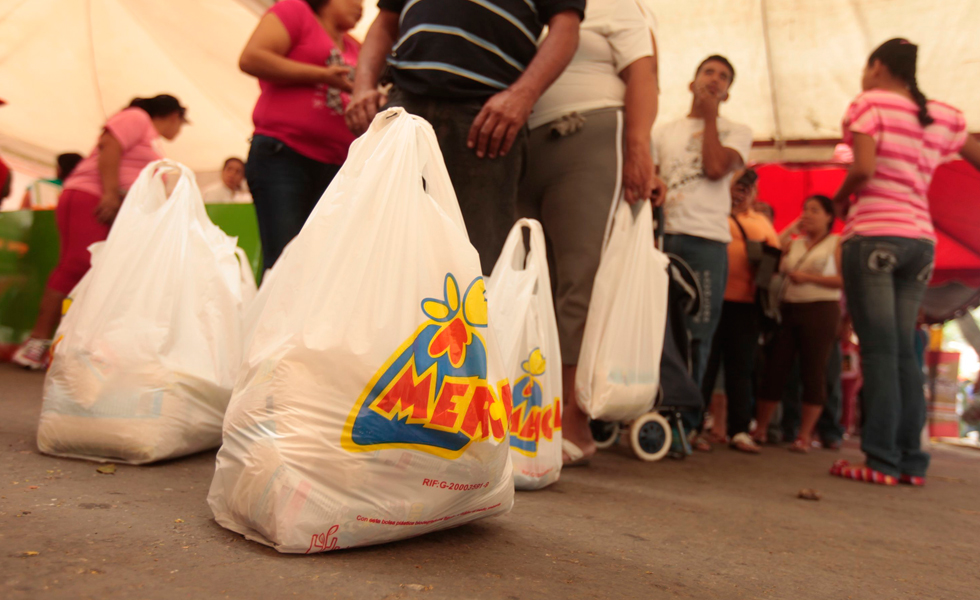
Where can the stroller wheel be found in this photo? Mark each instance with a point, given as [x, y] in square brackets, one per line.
[605, 433]
[650, 437]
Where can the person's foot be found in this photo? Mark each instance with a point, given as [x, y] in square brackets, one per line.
[33, 354]
[800, 446]
[844, 470]
[743, 442]
[912, 480]
[700, 443]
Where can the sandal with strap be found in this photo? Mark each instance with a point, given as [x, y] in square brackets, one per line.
[800, 447]
[844, 470]
[576, 457]
[700, 443]
[743, 442]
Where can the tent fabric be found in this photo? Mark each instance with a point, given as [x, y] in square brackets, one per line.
[798, 63]
[954, 201]
[66, 65]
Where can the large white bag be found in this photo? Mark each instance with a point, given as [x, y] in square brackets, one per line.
[523, 317]
[619, 364]
[146, 356]
[372, 403]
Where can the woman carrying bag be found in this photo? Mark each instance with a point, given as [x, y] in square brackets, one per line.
[810, 307]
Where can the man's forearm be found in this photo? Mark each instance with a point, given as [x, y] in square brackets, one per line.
[378, 43]
[554, 54]
[715, 158]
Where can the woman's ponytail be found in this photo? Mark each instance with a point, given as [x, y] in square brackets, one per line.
[899, 57]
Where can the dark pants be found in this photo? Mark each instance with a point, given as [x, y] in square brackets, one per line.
[285, 186]
[885, 279]
[829, 426]
[735, 346]
[708, 260]
[809, 330]
[485, 188]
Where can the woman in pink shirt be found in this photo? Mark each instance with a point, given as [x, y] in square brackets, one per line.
[304, 60]
[898, 138]
[90, 199]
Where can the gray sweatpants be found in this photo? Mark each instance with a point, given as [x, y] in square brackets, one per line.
[571, 186]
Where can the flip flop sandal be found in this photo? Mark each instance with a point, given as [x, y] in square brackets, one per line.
[912, 480]
[800, 447]
[866, 474]
[701, 444]
[743, 442]
[576, 458]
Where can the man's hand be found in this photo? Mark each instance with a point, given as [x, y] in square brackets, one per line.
[638, 175]
[496, 127]
[658, 195]
[108, 208]
[707, 102]
[362, 108]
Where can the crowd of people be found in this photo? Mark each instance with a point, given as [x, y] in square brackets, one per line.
[547, 109]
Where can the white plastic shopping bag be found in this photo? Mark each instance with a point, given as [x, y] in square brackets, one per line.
[146, 356]
[619, 364]
[523, 315]
[372, 403]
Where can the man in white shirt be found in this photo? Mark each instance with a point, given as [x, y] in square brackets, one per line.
[696, 157]
[229, 189]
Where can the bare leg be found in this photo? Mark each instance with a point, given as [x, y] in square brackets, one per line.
[765, 409]
[719, 414]
[49, 314]
[574, 422]
[811, 414]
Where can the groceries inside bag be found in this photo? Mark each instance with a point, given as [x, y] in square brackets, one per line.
[618, 373]
[146, 356]
[523, 315]
[372, 404]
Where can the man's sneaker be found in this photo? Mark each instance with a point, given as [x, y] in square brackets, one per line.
[33, 354]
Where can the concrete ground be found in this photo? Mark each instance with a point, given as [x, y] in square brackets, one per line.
[724, 525]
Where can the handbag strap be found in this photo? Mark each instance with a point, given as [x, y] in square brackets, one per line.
[740, 228]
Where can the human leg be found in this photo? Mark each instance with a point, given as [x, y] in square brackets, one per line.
[280, 180]
[868, 265]
[818, 333]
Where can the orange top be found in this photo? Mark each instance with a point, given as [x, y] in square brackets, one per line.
[741, 275]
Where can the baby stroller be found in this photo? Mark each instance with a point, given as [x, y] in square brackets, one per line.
[661, 431]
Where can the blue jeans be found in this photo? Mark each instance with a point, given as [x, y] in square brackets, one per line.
[708, 260]
[285, 186]
[885, 279]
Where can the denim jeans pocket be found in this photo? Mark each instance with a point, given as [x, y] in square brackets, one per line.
[263, 145]
[879, 256]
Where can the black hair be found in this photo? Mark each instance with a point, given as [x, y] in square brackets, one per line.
[316, 5]
[163, 105]
[231, 160]
[828, 207]
[67, 163]
[722, 60]
[899, 57]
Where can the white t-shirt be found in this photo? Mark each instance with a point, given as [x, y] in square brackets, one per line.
[220, 194]
[821, 260]
[696, 205]
[614, 34]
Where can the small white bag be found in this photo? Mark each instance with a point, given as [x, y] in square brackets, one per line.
[372, 404]
[146, 356]
[619, 365]
[523, 314]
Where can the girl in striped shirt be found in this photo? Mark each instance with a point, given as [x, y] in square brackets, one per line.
[899, 139]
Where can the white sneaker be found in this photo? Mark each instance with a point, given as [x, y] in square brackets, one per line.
[33, 354]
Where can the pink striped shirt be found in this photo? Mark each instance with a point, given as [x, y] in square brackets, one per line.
[895, 202]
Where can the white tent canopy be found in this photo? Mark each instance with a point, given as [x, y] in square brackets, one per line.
[65, 65]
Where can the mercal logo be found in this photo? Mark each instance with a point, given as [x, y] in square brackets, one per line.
[531, 419]
[433, 395]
